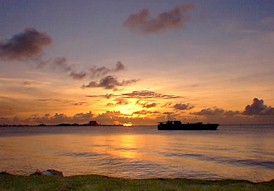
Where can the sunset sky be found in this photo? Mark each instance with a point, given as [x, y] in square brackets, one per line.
[139, 62]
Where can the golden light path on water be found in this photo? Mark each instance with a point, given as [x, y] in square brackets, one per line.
[142, 152]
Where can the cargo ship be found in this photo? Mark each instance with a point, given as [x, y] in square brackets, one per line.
[178, 125]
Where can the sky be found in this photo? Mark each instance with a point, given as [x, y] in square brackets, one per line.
[136, 62]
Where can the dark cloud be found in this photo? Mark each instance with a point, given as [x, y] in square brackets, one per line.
[176, 18]
[258, 108]
[109, 82]
[106, 118]
[61, 63]
[216, 112]
[146, 104]
[63, 101]
[94, 71]
[148, 94]
[107, 96]
[81, 103]
[119, 67]
[102, 71]
[42, 63]
[30, 83]
[209, 111]
[140, 95]
[182, 106]
[149, 105]
[168, 104]
[97, 72]
[58, 118]
[78, 76]
[62, 118]
[25, 45]
[145, 112]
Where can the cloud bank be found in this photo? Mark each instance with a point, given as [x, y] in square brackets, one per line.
[176, 18]
[25, 45]
[216, 112]
[257, 108]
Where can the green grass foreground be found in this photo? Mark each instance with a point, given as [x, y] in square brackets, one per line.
[101, 183]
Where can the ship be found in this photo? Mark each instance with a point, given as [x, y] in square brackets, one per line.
[178, 125]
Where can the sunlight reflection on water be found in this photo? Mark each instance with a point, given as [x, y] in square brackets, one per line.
[238, 152]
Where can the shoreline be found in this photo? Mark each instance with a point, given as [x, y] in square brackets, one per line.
[4, 173]
[98, 182]
[129, 178]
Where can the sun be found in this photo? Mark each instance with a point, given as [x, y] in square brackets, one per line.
[127, 124]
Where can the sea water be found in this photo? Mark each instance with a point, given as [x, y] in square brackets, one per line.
[233, 151]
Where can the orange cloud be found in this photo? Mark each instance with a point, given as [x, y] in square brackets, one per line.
[144, 94]
[182, 106]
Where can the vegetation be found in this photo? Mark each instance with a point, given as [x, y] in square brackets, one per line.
[99, 183]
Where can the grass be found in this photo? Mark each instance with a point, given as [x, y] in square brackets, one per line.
[101, 183]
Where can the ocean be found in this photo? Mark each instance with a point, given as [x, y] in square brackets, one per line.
[232, 152]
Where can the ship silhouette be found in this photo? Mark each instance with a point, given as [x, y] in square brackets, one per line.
[178, 125]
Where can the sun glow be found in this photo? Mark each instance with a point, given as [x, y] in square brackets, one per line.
[128, 109]
[127, 124]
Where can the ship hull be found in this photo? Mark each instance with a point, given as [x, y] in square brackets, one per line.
[190, 126]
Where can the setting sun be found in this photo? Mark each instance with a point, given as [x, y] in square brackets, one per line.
[127, 124]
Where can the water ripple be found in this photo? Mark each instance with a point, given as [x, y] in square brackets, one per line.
[79, 154]
[229, 160]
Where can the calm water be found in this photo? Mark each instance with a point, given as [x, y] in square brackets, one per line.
[237, 152]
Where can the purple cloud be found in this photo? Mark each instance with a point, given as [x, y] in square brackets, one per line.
[101, 71]
[216, 112]
[25, 45]
[176, 18]
[258, 108]
[78, 75]
[109, 82]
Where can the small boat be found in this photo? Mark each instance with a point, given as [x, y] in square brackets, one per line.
[178, 125]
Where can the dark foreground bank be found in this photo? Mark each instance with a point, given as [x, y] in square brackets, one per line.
[101, 183]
